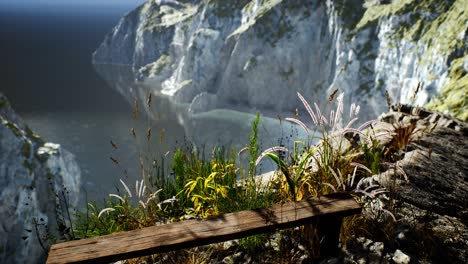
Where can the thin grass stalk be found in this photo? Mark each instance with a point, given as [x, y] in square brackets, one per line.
[308, 108]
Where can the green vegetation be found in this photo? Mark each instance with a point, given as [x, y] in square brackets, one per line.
[28, 165]
[26, 149]
[452, 97]
[275, 26]
[273, 18]
[436, 28]
[159, 19]
[440, 31]
[3, 102]
[349, 12]
[197, 187]
[443, 34]
[254, 146]
[163, 62]
[209, 184]
[155, 68]
[32, 136]
[333, 158]
[13, 127]
[227, 9]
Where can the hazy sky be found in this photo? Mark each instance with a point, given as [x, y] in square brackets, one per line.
[72, 2]
[64, 2]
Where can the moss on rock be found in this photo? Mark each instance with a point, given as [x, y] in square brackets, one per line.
[273, 19]
[26, 149]
[159, 18]
[438, 24]
[34, 137]
[29, 165]
[226, 9]
[349, 12]
[3, 102]
[453, 96]
[13, 127]
[447, 32]
[157, 67]
[417, 16]
[163, 62]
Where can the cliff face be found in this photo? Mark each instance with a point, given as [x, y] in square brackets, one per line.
[213, 54]
[34, 178]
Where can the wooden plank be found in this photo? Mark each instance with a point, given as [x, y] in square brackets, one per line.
[191, 233]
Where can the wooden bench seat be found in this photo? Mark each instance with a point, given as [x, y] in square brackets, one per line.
[192, 233]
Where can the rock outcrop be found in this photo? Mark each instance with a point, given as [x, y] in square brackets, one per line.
[38, 182]
[216, 54]
[436, 159]
[432, 207]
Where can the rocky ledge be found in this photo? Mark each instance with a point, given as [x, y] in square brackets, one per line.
[39, 181]
[432, 207]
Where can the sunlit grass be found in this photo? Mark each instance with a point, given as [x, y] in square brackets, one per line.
[337, 156]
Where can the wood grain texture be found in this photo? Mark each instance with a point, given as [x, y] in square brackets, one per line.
[191, 233]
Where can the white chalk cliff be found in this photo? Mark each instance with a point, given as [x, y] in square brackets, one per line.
[260, 53]
[35, 178]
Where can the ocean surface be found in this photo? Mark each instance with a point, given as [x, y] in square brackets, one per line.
[46, 73]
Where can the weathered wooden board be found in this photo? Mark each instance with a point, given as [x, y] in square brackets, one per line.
[191, 233]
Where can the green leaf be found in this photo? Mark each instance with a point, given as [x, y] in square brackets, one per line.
[284, 169]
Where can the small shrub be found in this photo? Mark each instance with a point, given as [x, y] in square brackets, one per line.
[337, 162]
[328, 165]
[209, 192]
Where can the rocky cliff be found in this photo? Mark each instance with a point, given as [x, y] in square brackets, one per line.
[259, 53]
[38, 182]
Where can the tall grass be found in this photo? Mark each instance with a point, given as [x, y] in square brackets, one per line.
[327, 166]
[341, 157]
[254, 146]
[190, 186]
[337, 156]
